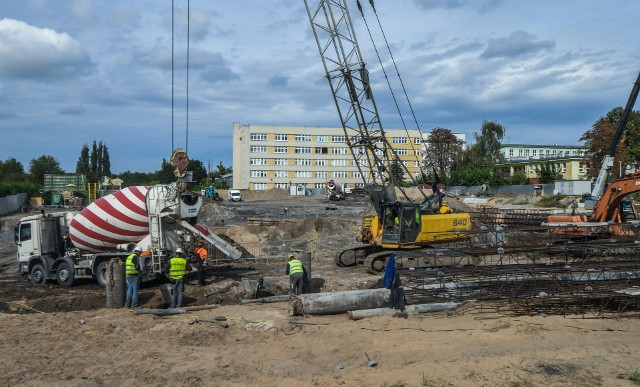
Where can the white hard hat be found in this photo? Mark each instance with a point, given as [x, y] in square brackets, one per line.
[179, 251]
[138, 249]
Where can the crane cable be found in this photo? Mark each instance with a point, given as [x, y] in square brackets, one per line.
[173, 74]
[389, 84]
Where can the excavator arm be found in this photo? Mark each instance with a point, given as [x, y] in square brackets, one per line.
[608, 207]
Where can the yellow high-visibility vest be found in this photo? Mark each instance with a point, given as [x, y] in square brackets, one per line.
[177, 268]
[295, 266]
[129, 267]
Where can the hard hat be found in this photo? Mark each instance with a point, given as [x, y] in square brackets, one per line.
[291, 256]
[179, 251]
[138, 249]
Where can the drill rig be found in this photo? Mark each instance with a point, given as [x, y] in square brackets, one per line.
[398, 223]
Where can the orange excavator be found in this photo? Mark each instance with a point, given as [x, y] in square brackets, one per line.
[613, 207]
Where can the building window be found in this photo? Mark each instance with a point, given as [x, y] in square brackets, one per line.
[338, 139]
[564, 168]
[281, 185]
[417, 152]
[303, 137]
[322, 150]
[301, 174]
[281, 174]
[281, 162]
[535, 153]
[520, 152]
[322, 174]
[303, 162]
[339, 163]
[401, 152]
[281, 137]
[417, 141]
[280, 149]
[319, 185]
[259, 186]
[358, 151]
[258, 161]
[416, 164]
[339, 151]
[340, 174]
[302, 149]
[258, 149]
[322, 138]
[510, 152]
[399, 140]
[258, 137]
[258, 173]
[356, 175]
[321, 163]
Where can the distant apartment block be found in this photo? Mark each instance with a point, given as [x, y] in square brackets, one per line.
[527, 159]
[266, 157]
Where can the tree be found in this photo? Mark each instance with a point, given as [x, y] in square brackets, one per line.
[44, 165]
[598, 140]
[485, 152]
[547, 172]
[442, 149]
[106, 161]
[165, 175]
[93, 167]
[11, 170]
[99, 169]
[198, 170]
[82, 166]
[396, 171]
[518, 179]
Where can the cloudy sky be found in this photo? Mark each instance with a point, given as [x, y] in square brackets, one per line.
[75, 71]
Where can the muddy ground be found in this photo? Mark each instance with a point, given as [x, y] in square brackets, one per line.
[65, 336]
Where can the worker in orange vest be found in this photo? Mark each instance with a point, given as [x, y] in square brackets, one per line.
[201, 262]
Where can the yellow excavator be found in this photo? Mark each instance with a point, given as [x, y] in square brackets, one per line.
[398, 224]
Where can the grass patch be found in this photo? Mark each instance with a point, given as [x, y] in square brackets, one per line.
[632, 376]
[551, 201]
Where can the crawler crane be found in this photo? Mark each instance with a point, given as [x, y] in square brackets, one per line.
[398, 224]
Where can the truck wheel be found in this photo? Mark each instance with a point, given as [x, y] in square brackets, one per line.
[101, 274]
[64, 275]
[38, 275]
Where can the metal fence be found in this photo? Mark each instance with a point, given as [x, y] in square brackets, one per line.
[12, 203]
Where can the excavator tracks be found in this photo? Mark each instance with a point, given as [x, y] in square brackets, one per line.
[355, 255]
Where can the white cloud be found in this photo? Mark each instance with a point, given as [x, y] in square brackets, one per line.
[39, 53]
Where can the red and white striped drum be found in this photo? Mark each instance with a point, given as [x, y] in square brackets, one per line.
[118, 218]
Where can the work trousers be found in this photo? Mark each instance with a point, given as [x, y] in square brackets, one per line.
[295, 283]
[177, 289]
[133, 285]
[201, 273]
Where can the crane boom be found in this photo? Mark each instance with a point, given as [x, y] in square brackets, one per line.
[349, 82]
[607, 162]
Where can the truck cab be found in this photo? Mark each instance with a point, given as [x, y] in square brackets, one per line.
[234, 195]
[46, 253]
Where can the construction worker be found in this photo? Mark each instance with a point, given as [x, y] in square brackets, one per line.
[177, 268]
[132, 271]
[201, 262]
[295, 270]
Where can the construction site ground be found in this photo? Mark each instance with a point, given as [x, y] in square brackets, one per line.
[66, 336]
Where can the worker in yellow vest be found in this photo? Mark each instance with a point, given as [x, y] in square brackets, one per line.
[132, 271]
[177, 269]
[295, 270]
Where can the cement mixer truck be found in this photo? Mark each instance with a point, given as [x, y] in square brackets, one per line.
[67, 246]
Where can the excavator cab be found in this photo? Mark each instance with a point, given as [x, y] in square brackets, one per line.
[401, 222]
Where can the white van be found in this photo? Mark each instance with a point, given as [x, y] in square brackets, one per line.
[234, 195]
